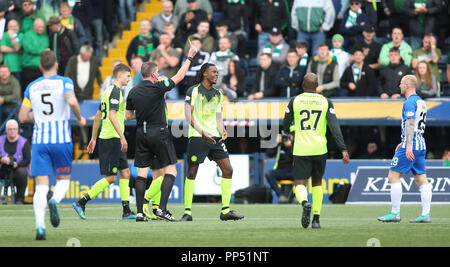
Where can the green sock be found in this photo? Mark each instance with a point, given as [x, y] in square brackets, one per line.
[226, 194]
[98, 187]
[154, 189]
[301, 193]
[124, 186]
[317, 195]
[188, 195]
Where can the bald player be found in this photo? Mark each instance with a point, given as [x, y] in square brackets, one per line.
[311, 113]
[410, 153]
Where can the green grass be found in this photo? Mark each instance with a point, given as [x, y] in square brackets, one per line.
[264, 225]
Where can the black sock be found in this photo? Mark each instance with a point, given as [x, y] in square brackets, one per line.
[166, 189]
[316, 217]
[82, 201]
[126, 207]
[140, 192]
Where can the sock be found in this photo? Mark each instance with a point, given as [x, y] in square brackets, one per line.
[226, 184]
[425, 197]
[60, 189]
[166, 189]
[124, 186]
[39, 204]
[396, 196]
[317, 195]
[188, 195]
[140, 190]
[154, 190]
[301, 193]
[98, 187]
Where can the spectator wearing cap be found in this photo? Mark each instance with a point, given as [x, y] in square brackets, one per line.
[33, 43]
[353, 23]
[159, 20]
[358, 79]
[276, 46]
[264, 84]
[339, 54]
[421, 18]
[398, 42]
[28, 16]
[327, 71]
[190, 19]
[11, 48]
[370, 48]
[269, 14]
[311, 19]
[63, 42]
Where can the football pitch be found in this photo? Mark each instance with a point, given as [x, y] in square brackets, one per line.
[265, 225]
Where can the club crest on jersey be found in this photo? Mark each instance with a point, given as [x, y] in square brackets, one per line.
[114, 101]
[166, 83]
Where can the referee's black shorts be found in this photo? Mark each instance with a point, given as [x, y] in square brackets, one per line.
[111, 158]
[198, 149]
[155, 148]
[309, 166]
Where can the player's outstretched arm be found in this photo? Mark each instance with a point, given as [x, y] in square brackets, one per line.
[177, 78]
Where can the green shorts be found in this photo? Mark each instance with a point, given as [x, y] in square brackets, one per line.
[198, 149]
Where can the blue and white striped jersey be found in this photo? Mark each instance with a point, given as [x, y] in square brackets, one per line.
[415, 108]
[51, 111]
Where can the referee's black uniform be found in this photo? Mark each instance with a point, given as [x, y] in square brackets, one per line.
[154, 145]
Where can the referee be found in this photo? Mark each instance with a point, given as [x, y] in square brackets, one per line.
[154, 145]
[311, 114]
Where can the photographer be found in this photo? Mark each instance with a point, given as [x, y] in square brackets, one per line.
[15, 153]
[283, 169]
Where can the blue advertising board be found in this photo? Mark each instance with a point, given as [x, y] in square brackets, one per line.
[336, 172]
[372, 186]
[85, 175]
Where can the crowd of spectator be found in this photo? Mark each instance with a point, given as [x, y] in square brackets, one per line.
[262, 48]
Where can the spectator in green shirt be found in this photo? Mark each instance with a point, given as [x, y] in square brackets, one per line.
[10, 47]
[429, 53]
[397, 41]
[33, 43]
[28, 16]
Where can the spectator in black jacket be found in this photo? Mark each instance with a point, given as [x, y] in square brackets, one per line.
[63, 42]
[264, 84]
[190, 20]
[269, 14]
[283, 169]
[236, 17]
[358, 79]
[290, 77]
[391, 75]
[370, 48]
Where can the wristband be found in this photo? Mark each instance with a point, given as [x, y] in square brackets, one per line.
[190, 58]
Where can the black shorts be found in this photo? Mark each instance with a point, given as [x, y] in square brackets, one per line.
[155, 148]
[309, 166]
[198, 149]
[111, 158]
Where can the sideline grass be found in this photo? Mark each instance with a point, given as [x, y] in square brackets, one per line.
[264, 226]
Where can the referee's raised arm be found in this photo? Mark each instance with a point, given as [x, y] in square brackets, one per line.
[177, 78]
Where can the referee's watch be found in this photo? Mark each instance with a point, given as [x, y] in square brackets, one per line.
[190, 58]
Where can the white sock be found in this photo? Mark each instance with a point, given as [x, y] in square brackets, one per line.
[60, 189]
[396, 196]
[39, 204]
[425, 196]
